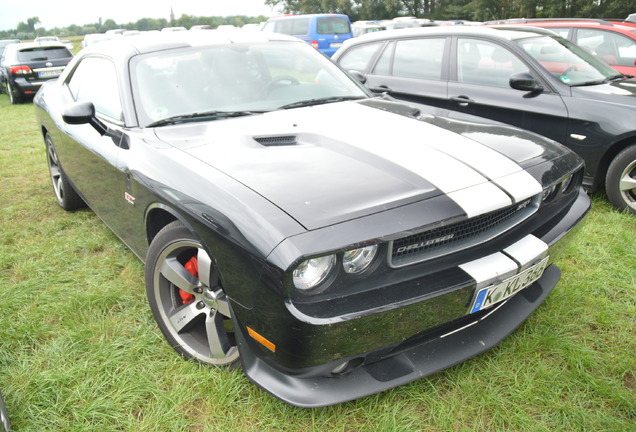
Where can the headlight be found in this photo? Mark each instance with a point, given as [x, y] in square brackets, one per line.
[312, 272]
[549, 192]
[358, 260]
[567, 181]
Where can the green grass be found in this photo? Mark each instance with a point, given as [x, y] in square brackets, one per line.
[79, 350]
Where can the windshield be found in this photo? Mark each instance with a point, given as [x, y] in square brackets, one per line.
[235, 79]
[571, 64]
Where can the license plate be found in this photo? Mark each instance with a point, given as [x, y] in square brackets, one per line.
[50, 74]
[494, 294]
[335, 45]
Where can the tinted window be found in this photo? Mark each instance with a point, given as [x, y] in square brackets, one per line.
[292, 27]
[358, 58]
[613, 48]
[419, 58]
[43, 53]
[486, 63]
[333, 25]
[95, 80]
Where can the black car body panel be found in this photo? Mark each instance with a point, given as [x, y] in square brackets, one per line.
[595, 119]
[265, 193]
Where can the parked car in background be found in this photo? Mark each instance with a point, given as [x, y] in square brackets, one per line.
[3, 45]
[26, 66]
[363, 27]
[525, 76]
[336, 243]
[612, 42]
[5, 42]
[325, 32]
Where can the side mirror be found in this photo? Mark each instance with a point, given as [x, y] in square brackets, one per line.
[83, 112]
[525, 82]
[359, 76]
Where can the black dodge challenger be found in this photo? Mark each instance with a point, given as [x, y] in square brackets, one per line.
[334, 243]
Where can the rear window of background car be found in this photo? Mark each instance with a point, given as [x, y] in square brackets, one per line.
[333, 25]
[43, 53]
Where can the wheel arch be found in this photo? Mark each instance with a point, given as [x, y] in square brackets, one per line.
[157, 217]
[608, 157]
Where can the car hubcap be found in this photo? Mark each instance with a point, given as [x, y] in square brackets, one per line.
[197, 315]
[627, 185]
[55, 171]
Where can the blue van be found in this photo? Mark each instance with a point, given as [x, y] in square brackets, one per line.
[325, 32]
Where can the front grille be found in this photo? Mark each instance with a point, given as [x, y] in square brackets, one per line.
[457, 236]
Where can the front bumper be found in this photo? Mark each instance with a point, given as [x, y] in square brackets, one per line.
[440, 350]
[397, 345]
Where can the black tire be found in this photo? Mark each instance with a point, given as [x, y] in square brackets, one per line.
[620, 182]
[5, 424]
[14, 98]
[198, 327]
[65, 194]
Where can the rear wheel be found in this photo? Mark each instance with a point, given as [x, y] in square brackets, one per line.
[66, 196]
[620, 182]
[15, 99]
[187, 300]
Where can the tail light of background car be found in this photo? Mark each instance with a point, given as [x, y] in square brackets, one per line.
[314, 44]
[20, 70]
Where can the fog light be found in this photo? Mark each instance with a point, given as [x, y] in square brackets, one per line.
[567, 181]
[340, 368]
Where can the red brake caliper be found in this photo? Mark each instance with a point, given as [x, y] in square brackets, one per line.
[192, 267]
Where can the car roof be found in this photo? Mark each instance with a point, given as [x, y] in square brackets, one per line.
[29, 45]
[284, 17]
[500, 32]
[124, 47]
[587, 23]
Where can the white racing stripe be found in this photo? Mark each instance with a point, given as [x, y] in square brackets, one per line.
[527, 251]
[478, 178]
[501, 265]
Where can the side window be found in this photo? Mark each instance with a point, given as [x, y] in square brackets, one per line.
[95, 80]
[358, 58]
[486, 63]
[614, 49]
[419, 58]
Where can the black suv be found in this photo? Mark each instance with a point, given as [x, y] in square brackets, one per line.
[528, 77]
[26, 66]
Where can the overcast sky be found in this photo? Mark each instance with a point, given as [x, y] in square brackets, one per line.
[63, 13]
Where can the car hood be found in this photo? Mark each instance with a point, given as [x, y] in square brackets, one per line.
[615, 92]
[331, 163]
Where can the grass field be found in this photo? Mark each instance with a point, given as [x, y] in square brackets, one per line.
[79, 350]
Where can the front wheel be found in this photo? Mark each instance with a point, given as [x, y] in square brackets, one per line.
[620, 182]
[186, 299]
[65, 194]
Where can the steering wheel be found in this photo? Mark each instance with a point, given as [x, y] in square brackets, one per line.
[280, 80]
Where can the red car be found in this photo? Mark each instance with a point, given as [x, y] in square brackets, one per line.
[613, 42]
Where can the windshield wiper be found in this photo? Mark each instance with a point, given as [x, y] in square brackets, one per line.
[589, 83]
[320, 101]
[208, 115]
[620, 76]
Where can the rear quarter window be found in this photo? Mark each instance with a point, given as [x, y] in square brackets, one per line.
[293, 27]
[359, 57]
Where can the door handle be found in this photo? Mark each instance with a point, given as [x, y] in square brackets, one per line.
[462, 101]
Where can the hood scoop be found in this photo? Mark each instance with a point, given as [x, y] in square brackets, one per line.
[277, 141]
